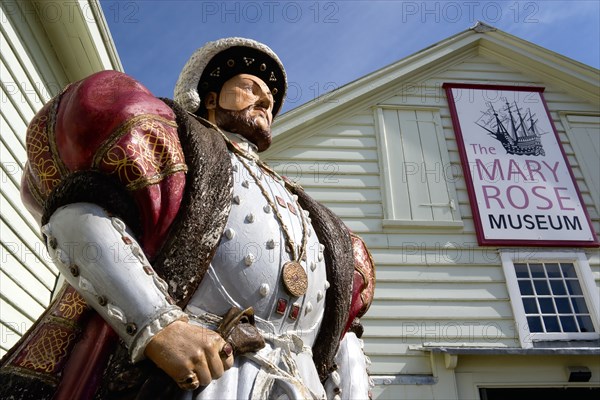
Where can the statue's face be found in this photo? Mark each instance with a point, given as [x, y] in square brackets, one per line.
[244, 91]
[245, 106]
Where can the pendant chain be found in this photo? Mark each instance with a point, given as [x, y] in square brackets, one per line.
[288, 237]
[240, 154]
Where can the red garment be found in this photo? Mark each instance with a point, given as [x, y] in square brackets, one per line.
[109, 122]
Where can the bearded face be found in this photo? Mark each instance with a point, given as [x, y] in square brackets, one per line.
[245, 122]
[244, 106]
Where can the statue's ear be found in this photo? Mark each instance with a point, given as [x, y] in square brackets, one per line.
[210, 100]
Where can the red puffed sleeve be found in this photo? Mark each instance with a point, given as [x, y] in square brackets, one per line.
[109, 123]
[363, 287]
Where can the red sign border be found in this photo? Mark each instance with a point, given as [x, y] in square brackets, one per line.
[448, 86]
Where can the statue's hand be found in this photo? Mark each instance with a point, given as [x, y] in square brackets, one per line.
[190, 354]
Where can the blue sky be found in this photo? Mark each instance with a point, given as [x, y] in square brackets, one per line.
[326, 44]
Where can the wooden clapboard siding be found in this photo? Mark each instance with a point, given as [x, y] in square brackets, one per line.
[39, 57]
[484, 70]
[26, 275]
[326, 165]
[433, 286]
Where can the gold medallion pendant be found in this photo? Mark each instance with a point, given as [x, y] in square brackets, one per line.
[293, 275]
[294, 278]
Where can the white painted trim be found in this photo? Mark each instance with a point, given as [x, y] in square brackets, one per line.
[401, 379]
[586, 280]
[384, 166]
[445, 156]
[570, 75]
[407, 108]
[82, 42]
[401, 224]
[100, 33]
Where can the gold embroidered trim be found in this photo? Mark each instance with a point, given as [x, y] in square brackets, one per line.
[151, 155]
[40, 157]
[48, 350]
[62, 322]
[33, 189]
[142, 182]
[62, 169]
[72, 305]
[122, 130]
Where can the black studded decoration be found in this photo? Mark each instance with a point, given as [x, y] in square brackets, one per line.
[243, 60]
[131, 329]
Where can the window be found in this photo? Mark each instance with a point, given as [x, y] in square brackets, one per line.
[553, 296]
[417, 176]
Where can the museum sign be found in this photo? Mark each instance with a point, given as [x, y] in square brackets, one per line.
[521, 187]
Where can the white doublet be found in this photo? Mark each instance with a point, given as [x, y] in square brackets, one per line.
[246, 271]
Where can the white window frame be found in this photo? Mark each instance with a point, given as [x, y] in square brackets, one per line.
[586, 280]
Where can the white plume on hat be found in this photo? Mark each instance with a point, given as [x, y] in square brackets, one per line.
[186, 88]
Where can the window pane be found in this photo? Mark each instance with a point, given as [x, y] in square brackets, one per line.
[541, 287]
[574, 287]
[521, 270]
[530, 305]
[553, 298]
[568, 324]
[579, 305]
[568, 270]
[547, 305]
[558, 287]
[535, 324]
[553, 270]
[564, 305]
[585, 323]
[526, 288]
[537, 270]
[551, 324]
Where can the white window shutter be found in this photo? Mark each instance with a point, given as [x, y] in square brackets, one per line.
[417, 165]
[584, 134]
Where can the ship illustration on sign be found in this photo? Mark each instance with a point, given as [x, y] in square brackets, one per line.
[517, 131]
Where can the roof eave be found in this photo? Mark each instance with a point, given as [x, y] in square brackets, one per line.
[513, 50]
[356, 91]
[81, 39]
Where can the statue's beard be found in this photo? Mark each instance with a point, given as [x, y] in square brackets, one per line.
[243, 123]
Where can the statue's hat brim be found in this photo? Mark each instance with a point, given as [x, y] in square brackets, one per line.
[216, 62]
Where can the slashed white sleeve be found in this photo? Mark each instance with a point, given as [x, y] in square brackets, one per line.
[101, 259]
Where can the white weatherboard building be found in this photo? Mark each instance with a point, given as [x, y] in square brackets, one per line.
[43, 47]
[452, 318]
